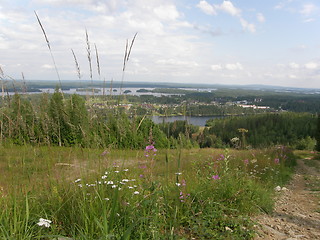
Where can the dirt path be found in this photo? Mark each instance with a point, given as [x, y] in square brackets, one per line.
[297, 209]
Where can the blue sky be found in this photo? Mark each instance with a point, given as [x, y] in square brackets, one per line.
[274, 42]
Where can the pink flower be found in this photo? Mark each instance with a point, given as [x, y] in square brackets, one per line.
[149, 147]
[276, 160]
[246, 161]
[215, 177]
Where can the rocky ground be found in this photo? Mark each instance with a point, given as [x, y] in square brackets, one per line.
[297, 209]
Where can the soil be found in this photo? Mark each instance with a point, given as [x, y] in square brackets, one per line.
[297, 208]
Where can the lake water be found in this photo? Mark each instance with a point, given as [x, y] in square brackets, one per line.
[197, 121]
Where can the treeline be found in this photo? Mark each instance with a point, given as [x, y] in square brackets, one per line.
[68, 121]
[262, 130]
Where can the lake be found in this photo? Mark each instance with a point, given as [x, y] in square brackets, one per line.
[197, 121]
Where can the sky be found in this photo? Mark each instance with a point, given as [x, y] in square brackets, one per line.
[269, 42]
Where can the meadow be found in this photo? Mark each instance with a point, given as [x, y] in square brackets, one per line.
[86, 193]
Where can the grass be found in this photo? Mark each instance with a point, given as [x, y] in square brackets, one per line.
[122, 194]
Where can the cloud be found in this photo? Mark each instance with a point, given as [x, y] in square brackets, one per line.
[234, 66]
[216, 67]
[260, 17]
[167, 12]
[294, 65]
[311, 65]
[228, 7]
[47, 66]
[229, 66]
[247, 26]
[308, 9]
[206, 8]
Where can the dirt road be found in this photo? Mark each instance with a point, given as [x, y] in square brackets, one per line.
[297, 209]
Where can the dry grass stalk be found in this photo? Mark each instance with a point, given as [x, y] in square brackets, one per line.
[125, 60]
[77, 64]
[48, 43]
[89, 56]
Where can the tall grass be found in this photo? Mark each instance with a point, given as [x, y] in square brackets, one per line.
[122, 194]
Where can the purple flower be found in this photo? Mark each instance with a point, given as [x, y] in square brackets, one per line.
[246, 161]
[276, 160]
[149, 147]
[215, 177]
[141, 176]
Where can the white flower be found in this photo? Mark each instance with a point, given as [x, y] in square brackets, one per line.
[125, 180]
[116, 171]
[178, 173]
[277, 188]
[78, 180]
[110, 182]
[178, 184]
[130, 187]
[114, 186]
[44, 222]
[107, 199]
[80, 185]
[135, 192]
[104, 176]
[126, 170]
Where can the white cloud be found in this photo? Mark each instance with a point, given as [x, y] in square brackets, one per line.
[234, 66]
[260, 17]
[47, 66]
[308, 9]
[247, 26]
[228, 7]
[206, 8]
[167, 12]
[294, 65]
[311, 65]
[216, 67]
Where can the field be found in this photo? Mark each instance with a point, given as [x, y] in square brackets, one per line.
[132, 194]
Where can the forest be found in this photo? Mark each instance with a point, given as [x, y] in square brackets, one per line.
[69, 121]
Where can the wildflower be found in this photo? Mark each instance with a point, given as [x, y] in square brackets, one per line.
[135, 192]
[142, 166]
[126, 170]
[104, 176]
[246, 161]
[178, 184]
[150, 147]
[107, 199]
[276, 160]
[44, 222]
[125, 180]
[184, 183]
[110, 182]
[104, 153]
[114, 186]
[78, 180]
[130, 187]
[216, 177]
[116, 171]
[80, 185]
[178, 173]
[141, 175]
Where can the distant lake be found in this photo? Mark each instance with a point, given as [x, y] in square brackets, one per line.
[197, 121]
[101, 91]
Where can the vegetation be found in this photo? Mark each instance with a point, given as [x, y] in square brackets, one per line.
[264, 130]
[50, 192]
